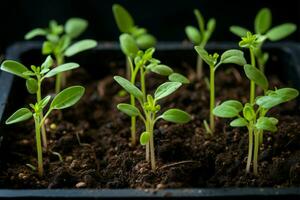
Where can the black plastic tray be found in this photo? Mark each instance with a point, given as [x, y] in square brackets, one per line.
[106, 52]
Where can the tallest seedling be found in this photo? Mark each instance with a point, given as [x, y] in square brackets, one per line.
[263, 32]
[60, 44]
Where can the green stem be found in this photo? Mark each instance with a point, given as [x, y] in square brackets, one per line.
[212, 98]
[143, 85]
[199, 71]
[252, 84]
[132, 102]
[148, 144]
[60, 77]
[250, 147]
[39, 98]
[152, 153]
[38, 145]
[128, 68]
[255, 157]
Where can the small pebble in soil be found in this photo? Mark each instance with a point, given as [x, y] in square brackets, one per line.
[80, 185]
[69, 158]
[161, 186]
[24, 142]
[53, 126]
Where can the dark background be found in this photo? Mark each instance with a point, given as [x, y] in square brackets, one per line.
[165, 19]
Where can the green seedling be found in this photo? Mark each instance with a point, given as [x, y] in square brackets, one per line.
[200, 36]
[264, 32]
[141, 63]
[34, 78]
[126, 24]
[254, 116]
[231, 56]
[66, 98]
[149, 110]
[59, 42]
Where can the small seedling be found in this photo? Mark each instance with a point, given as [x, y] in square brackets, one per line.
[66, 98]
[143, 40]
[143, 62]
[149, 110]
[264, 32]
[200, 36]
[60, 42]
[254, 116]
[34, 78]
[231, 56]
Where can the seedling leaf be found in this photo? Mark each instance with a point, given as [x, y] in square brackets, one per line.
[123, 19]
[257, 76]
[176, 77]
[61, 68]
[193, 34]
[80, 46]
[163, 70]
[129, 87]
[14, 67]
[263, 21]
[281, 31]
[20, 115]
[35, 32]
[239, 31]
[128, 109]
[239, 122]
[144, 138]
[75, 27]
[166, 89]
[176, 116]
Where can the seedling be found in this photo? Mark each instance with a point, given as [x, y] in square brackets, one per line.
[66, 98]
[126, 24]
[142, 62]
[143, 40]
[60, 42]
[231, 56]
[34, 78]
[200, 36]
[264, 32]
[254, 116]
[148, 111]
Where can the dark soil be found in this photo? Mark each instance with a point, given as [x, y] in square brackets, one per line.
[93, 139]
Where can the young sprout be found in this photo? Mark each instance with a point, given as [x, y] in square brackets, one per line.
[263, 31]
[231, 56]
[126, 24]
[254, 116]
[60, 42]
[149, 110]
[34, 78]
[142, 62]
[66, 98]
[200, 36]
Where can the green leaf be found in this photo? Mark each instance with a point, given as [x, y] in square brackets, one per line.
[163, 70]
[205, 56]
[257, 76]
[35, 32]
[233, 56]
[20, 115]
[226, 110]
[123, 19]
[166, 89]
[145, 41]
[61, 68]
[63, 43]
[31, 85]
[144, 138]
[239, 31]
[47, 48]
[75, 27]
[266, 124]
[263, 21]
[176, 77]
[128, 45]
[281, 31]
[129, 87]
[248, 112]
[67, 98]
[193, 34]
[211, 25]
[80, 46]
[176, 116]
[128, 109]
[200, 20]
[14, 67]
[277, 97]
[48, 63]
[43, 103]
[239, 122]
[234, 103]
